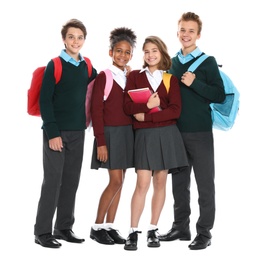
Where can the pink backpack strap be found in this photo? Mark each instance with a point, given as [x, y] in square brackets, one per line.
[108, 84]
[108, 87]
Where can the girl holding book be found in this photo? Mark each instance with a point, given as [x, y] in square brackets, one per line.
[158, 143]
[114, 138]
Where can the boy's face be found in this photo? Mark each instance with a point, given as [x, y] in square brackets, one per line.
[121, 54]
[74, 41]
[188, 34]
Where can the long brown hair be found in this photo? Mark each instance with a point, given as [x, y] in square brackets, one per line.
[165, 62]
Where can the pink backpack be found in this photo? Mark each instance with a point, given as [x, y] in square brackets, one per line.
[108, 87]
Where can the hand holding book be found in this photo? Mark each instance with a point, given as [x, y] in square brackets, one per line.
[142, 95]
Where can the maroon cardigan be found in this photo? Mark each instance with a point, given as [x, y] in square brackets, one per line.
[170, 102]
[109, 112]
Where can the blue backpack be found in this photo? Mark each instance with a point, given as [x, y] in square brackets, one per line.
[223, 114]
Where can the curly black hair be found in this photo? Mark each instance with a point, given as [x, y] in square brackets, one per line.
[122, 34]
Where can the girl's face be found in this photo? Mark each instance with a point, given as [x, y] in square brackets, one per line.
[121, 54]
[188, 34]
[74, 41]
[152, 55]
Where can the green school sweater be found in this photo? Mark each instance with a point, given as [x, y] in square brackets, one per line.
[62, 106]
[206, 88]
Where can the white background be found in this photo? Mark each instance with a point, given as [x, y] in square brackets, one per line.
[30, 36]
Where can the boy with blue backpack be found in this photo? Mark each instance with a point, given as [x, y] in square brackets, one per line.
[198, 91]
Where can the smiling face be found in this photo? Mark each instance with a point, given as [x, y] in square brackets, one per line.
[152, 55]
[188, 34]
[121, 54]
[74, 41]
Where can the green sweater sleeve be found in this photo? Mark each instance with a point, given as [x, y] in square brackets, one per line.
[208, 82]
[46, 103]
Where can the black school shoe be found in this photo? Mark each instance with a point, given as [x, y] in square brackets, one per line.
[67, 235]
[152, 238]
[174, 234]
[101, 236]
[47, 240]
[131, 242]
[200, 242]
[114, 234]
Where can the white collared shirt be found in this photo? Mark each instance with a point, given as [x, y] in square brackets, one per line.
[154, 78]
[119, 76]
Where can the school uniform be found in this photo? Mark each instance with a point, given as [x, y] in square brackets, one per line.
[158, 143]
[195, 125]
[62, 109]
[111, 126]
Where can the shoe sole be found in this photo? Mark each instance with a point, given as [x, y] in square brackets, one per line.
[130, 248]
[181, 239]
[94, 238]
[153, 245]
[119, 243]
[199, 248]
[37, 242]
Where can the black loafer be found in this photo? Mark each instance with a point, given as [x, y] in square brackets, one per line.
[47, 240]
[152, 238]
[174, 234]
[200, 242]
[114, 234]
[131, 242]
[67, 235]
[101, 236]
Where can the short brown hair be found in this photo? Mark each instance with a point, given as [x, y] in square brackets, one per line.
[189, 16]
[73, 23]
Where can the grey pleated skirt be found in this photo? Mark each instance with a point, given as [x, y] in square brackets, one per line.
[160, 148]
[120, 146]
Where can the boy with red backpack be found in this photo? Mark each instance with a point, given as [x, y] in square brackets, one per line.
[62, 108]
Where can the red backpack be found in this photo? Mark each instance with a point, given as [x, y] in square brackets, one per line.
[36, 83]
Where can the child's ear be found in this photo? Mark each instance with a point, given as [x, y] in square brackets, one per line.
[110, 53]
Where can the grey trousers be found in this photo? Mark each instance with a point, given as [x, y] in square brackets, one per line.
[200, 151]
[60, 183]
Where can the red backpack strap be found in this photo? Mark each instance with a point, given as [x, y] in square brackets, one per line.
[89, 66]
[57, 69]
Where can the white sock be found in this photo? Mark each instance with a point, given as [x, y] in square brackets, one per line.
[98, 226]
[152, 227]
[108, 226]
[133, 229]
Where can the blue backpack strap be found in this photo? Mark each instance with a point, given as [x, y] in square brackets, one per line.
[194, 66]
